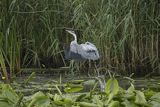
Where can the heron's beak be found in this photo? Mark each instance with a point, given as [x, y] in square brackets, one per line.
[71, 32]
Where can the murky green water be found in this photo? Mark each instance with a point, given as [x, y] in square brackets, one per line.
[46, 83]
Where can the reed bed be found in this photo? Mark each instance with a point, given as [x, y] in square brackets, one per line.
[126, 32]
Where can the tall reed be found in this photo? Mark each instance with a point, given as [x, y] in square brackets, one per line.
[125, 32]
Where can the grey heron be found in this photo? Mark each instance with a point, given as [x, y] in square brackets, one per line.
[86, 51]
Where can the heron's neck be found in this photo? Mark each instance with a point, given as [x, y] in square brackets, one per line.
[75, 38]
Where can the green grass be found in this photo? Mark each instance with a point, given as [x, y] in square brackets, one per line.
[125, 32]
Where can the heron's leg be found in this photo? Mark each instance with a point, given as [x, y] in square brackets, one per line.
[77, 64]
[71, 67]
[101, 77]
[74, 68]
[96, 69]
[89, 68]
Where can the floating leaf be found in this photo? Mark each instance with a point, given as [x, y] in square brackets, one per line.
[39, 100]
[114, 104]
[156, 97]
[63, 101]
[110, 97]
[73, 88]
[112, 86]
[149, 93]
[130, 94]
[127, 103]
[81, 97]
[86, 104]
[155, 104]
[140, 98]
[77, 81]
[5, 103]
[89, 82]
[97, 100]
[8, 96]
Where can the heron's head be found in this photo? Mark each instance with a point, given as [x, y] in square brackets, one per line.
[72, 33]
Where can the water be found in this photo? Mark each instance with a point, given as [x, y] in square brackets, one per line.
[47, 82]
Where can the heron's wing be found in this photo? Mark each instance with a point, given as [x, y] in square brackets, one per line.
[82, 51]
[89, 51]
[74, 52]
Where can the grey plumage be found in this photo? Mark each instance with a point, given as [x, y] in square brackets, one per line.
[81, 51]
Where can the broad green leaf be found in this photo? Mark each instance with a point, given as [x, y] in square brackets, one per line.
[89, 82]
[63, 102]
[130, 94]
[140, 98]
[36, 95]
[5, 104]
[71, 89]
[66, 100]
[81, 97]
[156, 97]
[98, 101]
[149, 93]
[86, 104]
[110, 97]
[59, 102]
[72, 85]
[155, 100]
[127, 103]
[50, 95]
[114, 104]
[57, 97]
[77, 81]
[112, 86]
[39, 100]
[8, 96]
[155, 104]
[75, 106]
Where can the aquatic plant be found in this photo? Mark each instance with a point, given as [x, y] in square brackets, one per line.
[113, 96]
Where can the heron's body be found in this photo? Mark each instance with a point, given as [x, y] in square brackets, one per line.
[81, 51]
